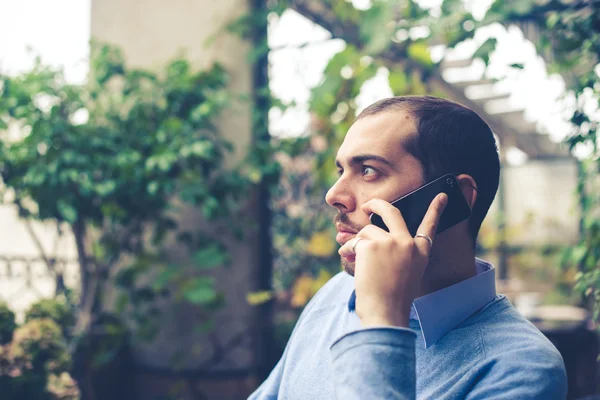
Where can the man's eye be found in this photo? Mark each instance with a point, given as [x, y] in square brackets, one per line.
[367, 171]
[340, 172]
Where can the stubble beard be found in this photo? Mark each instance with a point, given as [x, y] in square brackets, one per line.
[342, 218]
[348, 266]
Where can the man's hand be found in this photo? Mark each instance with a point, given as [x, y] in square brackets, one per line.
[389, 266]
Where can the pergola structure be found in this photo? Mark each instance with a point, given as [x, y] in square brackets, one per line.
[511, 127]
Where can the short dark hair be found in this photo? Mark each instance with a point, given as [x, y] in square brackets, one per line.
[450, 138]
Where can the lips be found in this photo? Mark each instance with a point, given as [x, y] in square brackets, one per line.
[344, 234]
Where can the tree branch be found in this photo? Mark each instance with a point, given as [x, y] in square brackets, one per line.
[89, 284]
[221, 350]
[300, 46]
[59, 234]
[79, 233]
[538, 12]
[320, 13]
[36, 240]
[59, 272]
[396, 56]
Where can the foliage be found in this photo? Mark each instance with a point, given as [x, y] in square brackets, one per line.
[7, 324]
[40, 344]
[55, 310]
[568, 37]
[35, 364]
[396, 38]
[388, 37]
[303, 232]
[117, 160]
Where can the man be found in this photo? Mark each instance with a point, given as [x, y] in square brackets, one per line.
[413, 317]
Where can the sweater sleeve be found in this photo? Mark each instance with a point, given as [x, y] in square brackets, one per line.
[375, 363]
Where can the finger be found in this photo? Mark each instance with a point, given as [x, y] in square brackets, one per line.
[431, 221]
[373, 232]
[392, 217]
[351, 247]
[369, 232]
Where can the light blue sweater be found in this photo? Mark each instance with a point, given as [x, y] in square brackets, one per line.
[492, 354]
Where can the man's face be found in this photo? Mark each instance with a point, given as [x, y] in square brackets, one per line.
[372, 163]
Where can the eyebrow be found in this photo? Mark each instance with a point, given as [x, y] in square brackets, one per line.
[361, 158]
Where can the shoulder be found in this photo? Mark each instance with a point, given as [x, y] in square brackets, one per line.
[332, 297]
[504, 330]
[518, 356]
[335, 292]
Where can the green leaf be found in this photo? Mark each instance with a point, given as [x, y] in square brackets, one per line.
[165, 277]
[241, 26]
[162, 162]
[67, 211]
[552, 19]
[484, 51]
[323, 97]
[517, 65]
[105, 188]
[522, 7]
[203, 149]
[201, 291]
[253, 173]
[398, 82]
[211, 257]
[376, 26]
[98, 251]
[152, 187]
[210, 208]
[203, 110]
[419, 52]
[451, 6]
[578, 254]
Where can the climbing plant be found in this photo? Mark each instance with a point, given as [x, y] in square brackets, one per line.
[387, 38]
[568, 37]
[395, 39]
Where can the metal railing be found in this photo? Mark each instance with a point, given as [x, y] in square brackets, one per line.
[26, 279]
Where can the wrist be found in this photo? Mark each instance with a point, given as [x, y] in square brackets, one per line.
[377, 312]
[396, 321]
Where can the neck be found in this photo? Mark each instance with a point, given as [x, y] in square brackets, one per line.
[452, 261]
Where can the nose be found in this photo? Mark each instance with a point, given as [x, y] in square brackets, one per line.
[340, 196]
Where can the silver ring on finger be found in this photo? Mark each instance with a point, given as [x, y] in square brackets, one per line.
[426, 237]
[356, 240]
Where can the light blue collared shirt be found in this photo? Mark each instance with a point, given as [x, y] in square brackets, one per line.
[470, 344]
[441, 311]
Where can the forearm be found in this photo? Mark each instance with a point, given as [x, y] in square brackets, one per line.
[375, 363]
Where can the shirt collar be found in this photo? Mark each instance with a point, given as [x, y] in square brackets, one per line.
[441, 311]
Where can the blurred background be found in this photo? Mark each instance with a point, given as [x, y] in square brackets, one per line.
[164, 167]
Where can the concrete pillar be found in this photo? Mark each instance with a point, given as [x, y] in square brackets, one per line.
[151, 32]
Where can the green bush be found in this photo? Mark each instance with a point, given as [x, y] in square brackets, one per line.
[7, 324]
[41, 344]
[34, 363]
[54, 310]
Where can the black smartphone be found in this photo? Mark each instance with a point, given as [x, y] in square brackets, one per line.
[415, 204]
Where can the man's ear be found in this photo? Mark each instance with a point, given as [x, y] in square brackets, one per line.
[468, 187]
